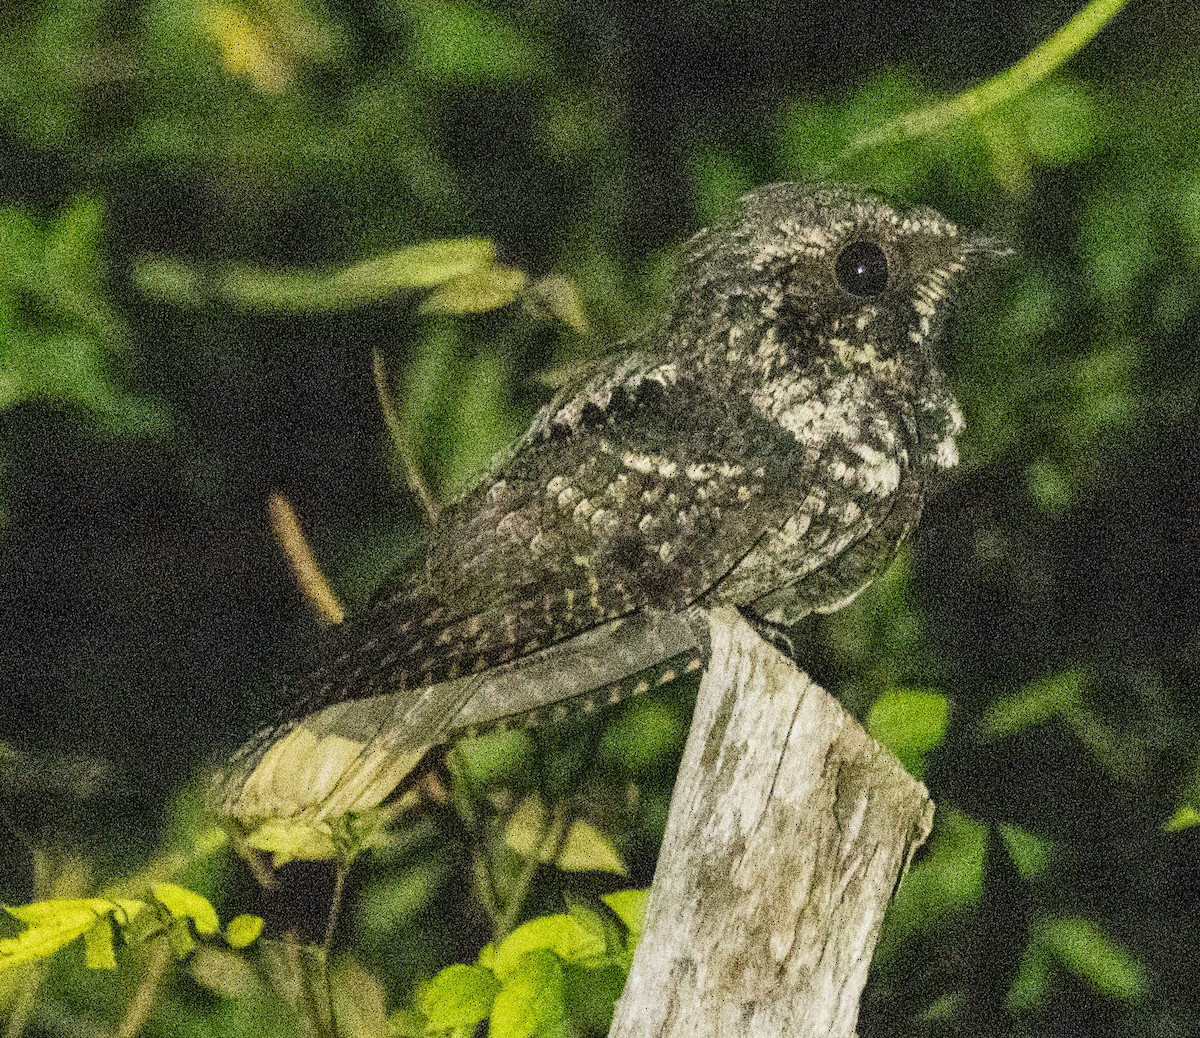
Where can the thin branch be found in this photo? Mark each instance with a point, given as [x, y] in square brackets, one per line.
[1001, 88]
[399, 437]
[548, 849]
[25, 1001]
[335, 906]
[485, 884]
[309, 998]
[326, 972]
[290, 535]
[138, 1010]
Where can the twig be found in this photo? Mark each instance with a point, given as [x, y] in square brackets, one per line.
[25, 1001]
[290, 535]
[49, 880]
[138, 1010]
[400, 442]
[335, 906]
[485, 884]
[1004, 86]
[309, 980]
[551, 842]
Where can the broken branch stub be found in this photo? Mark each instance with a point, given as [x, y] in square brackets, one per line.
[788, 831]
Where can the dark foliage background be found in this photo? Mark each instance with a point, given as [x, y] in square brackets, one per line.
[146, 412]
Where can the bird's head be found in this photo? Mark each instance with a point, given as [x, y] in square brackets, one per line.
[799, 276]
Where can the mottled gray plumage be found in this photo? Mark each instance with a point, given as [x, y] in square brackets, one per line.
[767, 444]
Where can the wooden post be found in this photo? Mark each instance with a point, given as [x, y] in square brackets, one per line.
[788, 831]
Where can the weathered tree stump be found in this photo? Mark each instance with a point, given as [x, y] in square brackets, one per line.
[788, 831]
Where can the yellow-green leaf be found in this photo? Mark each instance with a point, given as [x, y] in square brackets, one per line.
[1087, 951]
[293, 841]
[419, 266]
[561, 934]
[51, 925]
[584, 848]
[910, 723]
[98, 950]
[557, 296]
[477, 292]
[1184, 818]
[243, 930]
[266, 290]
[458, 997]
[587, 849]
[187, 904]
[630, 907]
[528, 827]
[532, 1002]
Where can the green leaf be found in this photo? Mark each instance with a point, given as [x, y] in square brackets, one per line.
[584, 848]
[1032, 981]
[1050, 486]
[630, 907]
[493, 759]
[458, 997]
[565, 936]
[1088, 952]
[477, 292]
[427, 265]
[58, 333]
[943, 1009]
[392, 900]
[589, 919]
[294, 841]
[1062, 123]
[243, 930]
[910, 723]
[179, 936]
[359, 1000]
[643, 735]
[1034, 704]
[408, 1023]
[461, 42]
[98, 950]
[482, 422]
[1031, 854]
[1185, 817]
[51, 925]
[187, 904]
[556, 295]
[592, 990]
[532, 1002]
[948, 879]
[718, 179]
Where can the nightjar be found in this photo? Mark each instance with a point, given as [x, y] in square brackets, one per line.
[767, 444]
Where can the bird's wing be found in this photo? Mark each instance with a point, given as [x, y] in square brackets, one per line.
[628, 499]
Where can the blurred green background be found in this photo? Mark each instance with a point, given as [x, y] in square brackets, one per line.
[165, 163]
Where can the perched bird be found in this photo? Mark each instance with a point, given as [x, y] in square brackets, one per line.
[767, 444]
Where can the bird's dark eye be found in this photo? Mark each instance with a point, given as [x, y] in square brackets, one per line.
[862, 268]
